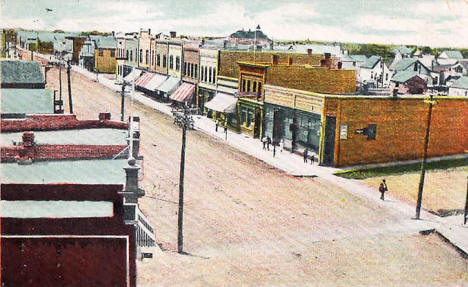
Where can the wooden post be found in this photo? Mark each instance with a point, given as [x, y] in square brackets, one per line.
[466, 203]
[423, 164]
[122, 106]
[180, 237]
[70, 101]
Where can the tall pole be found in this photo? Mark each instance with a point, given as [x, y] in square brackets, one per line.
[60, 79]
[70, 101]
[466, 203]
[180, 237]
[122, 106]
[423, 164]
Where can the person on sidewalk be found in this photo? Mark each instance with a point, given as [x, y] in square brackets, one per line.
[312, 159]
[383, 188]
[306, 154]
[264, 141]
[281, 145]
[225, 130]
[217, 124]
[268, 143]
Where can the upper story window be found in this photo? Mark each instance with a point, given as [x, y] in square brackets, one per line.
[195, 71]
[146, 56]
[158, 60]
[171, 62]
[177, 63]
[127, 55]
[131, 55]
[141, 55]
[101, 53]
[164, 61]
[112, 53]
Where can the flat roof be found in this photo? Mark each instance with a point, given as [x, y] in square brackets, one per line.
[105, 136]
[26, 101]
[66, 171]
[55, 209]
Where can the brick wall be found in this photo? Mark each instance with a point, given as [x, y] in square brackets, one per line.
[312, 79]
[228, 66]
[191, 58]
[401, 128]
[56, 122]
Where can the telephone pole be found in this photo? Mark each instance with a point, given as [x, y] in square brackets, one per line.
[70, 101]
[431, 102]
[122, 106]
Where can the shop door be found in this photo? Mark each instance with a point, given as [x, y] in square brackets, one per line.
[257, 124]
[329, 148]
[277, 126]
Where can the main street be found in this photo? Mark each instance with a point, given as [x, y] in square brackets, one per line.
[247, 223]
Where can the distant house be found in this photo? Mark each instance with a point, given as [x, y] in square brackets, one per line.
[449, 72]
[414, 65]
[105, 60]
[449, 57]
[459, 88]
[408, 82]
[400, 53]
[86, 56]
[375, 71]
[21, 75]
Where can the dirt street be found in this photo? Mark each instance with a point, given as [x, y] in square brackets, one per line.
[248, 224]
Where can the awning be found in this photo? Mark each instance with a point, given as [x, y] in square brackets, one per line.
[169, 85]
[222, 103]
[155, 82]
[184, 93]
[134, 74]
[144, 79]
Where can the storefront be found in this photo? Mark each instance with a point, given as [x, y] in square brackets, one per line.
[250, 117]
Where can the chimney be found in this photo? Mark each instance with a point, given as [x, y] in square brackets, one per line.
[327, 55]
[134, 136]
[290, 61]
[104, 116]
[113, 33]
[395, 93]
[323, 63]
[274, 59]
[173, 34]
[28, 139]
[131, 182]
[149, 31]
[340, 65]
[327, 60]
[309, 52]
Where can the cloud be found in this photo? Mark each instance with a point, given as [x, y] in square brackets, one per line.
[25, 23]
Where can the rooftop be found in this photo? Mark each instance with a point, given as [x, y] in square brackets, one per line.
[22, 72]
[67, 171]
[105, 136]
[453, 54]
[461, 83]
[403, 76]
[371, 62]
[404, 63]
[106, 42]
[26, 101]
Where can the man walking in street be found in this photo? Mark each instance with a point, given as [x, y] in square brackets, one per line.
[383, 188]
[306, 154]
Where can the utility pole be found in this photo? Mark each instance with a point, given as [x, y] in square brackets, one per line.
[184, 120]
[466, 203]
[122, 106]
[431, 102]
[70, 101]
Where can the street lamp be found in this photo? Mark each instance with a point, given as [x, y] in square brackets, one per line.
[182, 118]
[431, 103]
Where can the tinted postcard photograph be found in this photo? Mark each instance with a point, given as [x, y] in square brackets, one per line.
[233, 143]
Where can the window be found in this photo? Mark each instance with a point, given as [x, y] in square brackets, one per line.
[259, 90]
[171, 62]
[164, 61]
[196, 71]
[209, 78]
[386, 77]
[127, 55]
[152, 58]
[214, 75]
[158, 60]
[249, 117]
[243, 85]
[146, 57]
[206, 74]
[141, 55]
[243, 115]
[191, 70]
[371, 131]
[248, 86]
[177, 63]
[131, 55]
[254, 88]
[185, 68]
[415, 67]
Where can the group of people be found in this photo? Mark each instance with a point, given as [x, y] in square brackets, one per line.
[306, 156]
[266, 141]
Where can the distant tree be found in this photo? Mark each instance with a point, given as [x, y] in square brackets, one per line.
[58, 31]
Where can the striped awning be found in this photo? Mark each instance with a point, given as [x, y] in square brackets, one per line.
[184, 93]
[134, 74]
[222, 103]
[155, 82]
[144, 80]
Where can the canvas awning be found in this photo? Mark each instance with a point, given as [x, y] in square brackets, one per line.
[144, 79]
[222, 103]
[184, 93]
[155, 82]
[134, 74]
[169, 85]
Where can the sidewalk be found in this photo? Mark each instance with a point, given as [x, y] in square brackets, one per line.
[449, 227]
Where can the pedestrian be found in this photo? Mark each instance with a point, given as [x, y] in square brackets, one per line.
[312, 159]
[225, 130]
[217, 124]
[268, 143]
[264, 141]
[306, 154]
[281, 145]
[383, 188]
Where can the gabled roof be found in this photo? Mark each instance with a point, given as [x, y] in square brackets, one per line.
[403, 50]
[461, 83]
[359, 58]
[453, 54]
[403, 76]
[20, 72]
[404, 63]
[106, 43]
[371, 62]
[347, 58]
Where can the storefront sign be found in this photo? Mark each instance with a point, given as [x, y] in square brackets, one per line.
[343, 132]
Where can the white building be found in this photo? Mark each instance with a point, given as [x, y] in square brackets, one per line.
[459, 88]
[374, 71]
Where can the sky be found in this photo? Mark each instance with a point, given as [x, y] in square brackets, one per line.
[436, 23]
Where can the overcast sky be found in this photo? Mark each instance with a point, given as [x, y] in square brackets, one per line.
[431, 22]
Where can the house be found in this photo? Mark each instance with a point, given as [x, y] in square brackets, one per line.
[105, 57]
[86, 56]
[408, 82]
[400, 53]
[449, 57]
[374, 71]
[415, 65]
[459, 88]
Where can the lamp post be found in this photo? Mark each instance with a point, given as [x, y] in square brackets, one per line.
[184, 119]
[122, 105]
[431, 102]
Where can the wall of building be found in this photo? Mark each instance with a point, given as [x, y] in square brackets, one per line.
[400, 126]
[458, 92]
[191, 66]
[105, 63]
[144, 53]
[312, 79]
[175, 52]
[162, 49]
[77, 44]
[228, 67]
[208, 61]
[131, 47]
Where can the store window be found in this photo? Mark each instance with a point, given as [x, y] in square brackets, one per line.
[243, 115]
